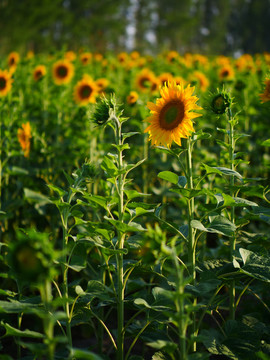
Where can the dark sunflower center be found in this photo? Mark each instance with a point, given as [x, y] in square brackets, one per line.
[225, 73]
[3, 83]
[145, 82]
[38, 74]
[12, 61]
[85, 91]
[62, 71]
[171, 115]
[27, 259]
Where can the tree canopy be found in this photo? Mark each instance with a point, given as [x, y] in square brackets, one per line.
[205, 26]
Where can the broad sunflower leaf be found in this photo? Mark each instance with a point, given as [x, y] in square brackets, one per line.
[11, 331]
[169, 176]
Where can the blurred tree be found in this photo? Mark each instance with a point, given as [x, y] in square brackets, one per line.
[207, 26]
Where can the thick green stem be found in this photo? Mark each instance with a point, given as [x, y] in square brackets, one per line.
[191, 236]
[233, 238]
[120, 267]
[65, 286]
[180, 308]
[46, 296]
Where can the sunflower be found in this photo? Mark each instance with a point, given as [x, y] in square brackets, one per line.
[30, 54]
[265, 96]
[101, 84]
[98, 57]
[5, 82]
[201, 79]
[85, 58]
[39, 72]
[85, 91]
[122, 57]
[172, 56]
[165, 78]
[132, 97]
[146, 80]
[179, 80]
[226, 73]
[24, 136]
[70, 55]
[13, 59]
[172, 115]
[63, 71]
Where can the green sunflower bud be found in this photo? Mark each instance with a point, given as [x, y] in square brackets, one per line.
[105, 110]
[31, 257]
[221, 102]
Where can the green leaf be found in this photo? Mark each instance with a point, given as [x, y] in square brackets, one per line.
[83, 354]
[142, 302]
[109, 167]
[266, 142]
[168, 176]
[120, 226]
[129, 134]
[200, 135]
[34, 196]
[15, 307]
[220, 225]
[132, 194]
[255, 265]
[15, 170]
[229, 172]
[58, 190]
[11, 331]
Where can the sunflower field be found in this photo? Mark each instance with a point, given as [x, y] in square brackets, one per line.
[134, 206]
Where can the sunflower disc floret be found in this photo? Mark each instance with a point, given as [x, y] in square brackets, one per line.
[172, 114]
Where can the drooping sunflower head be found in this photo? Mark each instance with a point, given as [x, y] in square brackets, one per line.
[13, 59]
[39, 72]
[5, 82]
[85, 91]
[265, 96]
[171, 116]
[63, 72]
[147, 81]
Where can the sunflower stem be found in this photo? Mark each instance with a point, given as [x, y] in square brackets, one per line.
[191, 236]
[119, 258]
[233, 238]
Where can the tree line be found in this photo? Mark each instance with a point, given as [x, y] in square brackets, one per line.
[204, 26]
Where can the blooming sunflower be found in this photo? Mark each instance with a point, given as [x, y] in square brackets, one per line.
[85, 91]
[24, 136]
[63, 71]
[70, 55]
[39, 72]
[5, 82]
[13, 59]
[165, 78]
[146, 80]
[265, 96]
[101, 84]
[85, 58]
[132, 97]
[226, 73]
[201, 79]
[172, 115]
